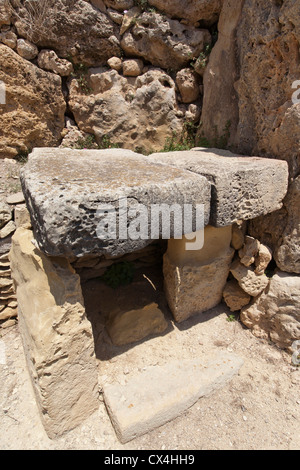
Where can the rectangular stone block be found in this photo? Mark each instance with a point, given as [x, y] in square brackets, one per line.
[160, 394]
[67, 192]
[243, 187]
[194, 280]
[56, 335]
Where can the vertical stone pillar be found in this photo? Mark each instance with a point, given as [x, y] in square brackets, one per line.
[194, 280]
[56, 335]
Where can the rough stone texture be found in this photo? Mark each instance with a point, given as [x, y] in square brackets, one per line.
[64, 188]
[8, 229]
[262, 259]
[5, 213]
[9, 38]
[5, 12]
[132, 312]
[220, 102]
[120, 5]
[201, 10]
[162, 393]
[194, 280]
[34, 111]
[48, 60]
[132, 67]
[115, 63]
[26, 49]
[265, 60]
[188, 83]
[73, 29]
[288, 254]
[252, 283]
[163, 42]
[242, 187]
[249, 251]
[22, 216]
[275, 314]
[235, 297]
[238, 235]
[136, 113]
[57, 337]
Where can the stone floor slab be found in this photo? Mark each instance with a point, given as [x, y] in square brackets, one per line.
[162, 393]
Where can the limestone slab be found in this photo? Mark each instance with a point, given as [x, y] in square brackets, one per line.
[194, 280]
[161, 393]
[56, 335]
[242, 187]
[65, 188]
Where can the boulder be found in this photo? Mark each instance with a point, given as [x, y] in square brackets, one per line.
[249, 251]
[188, 85]
[9, 38]
[27, 49]
[68, 192]
[57, 337]
[132, 67]
[235, 297]
[275, 314]
[34, 105]
[163, 42]
[48, 60]
[242, 187]
[252, 283]
[72, 29]
[5, 213]
[5, 12]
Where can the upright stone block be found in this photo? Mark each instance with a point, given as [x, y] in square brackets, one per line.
[194, 280]
[243, 187]
[57, 337]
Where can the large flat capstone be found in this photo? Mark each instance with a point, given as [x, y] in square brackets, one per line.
[77, 197]
[161, 393]
[243, 187]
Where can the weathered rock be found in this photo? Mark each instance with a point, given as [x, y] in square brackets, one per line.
[135, 114]
[9, 38]
[287, 256]
[133, 67]
[22, 216]
[242, 187]
[72, 29]
[163, 42]
[27, 49]
[8, 229]
[5, 213]
[238, 235]
[188, 84]
[120, 5]
[235, 297]
[252, 283]
[8, 313]
[5, 12]
[128, 19]
[48, 60]
[57, 337]
[220, 113]
[195, 279]
[162, 393]
[207, 11]
[262, 259]
[65, 188]
[16, 198]
[115, 63]
[275, 314]
[130, 317]
[34, 105]
[249, 251]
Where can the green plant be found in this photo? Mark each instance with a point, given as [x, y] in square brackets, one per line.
[81, 74]
[107, 144]
[185, 141]
[202, 60]
[232, 318]
[119, 274]
[22, 155]
[219, 142]
[88, 142]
